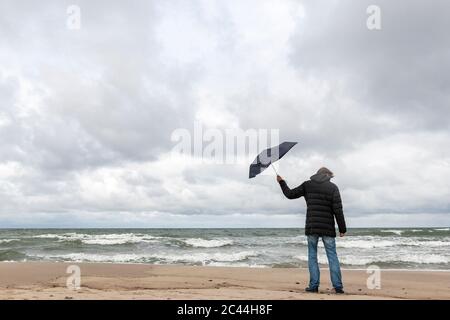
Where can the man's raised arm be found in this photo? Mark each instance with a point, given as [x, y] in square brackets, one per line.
[291, 193]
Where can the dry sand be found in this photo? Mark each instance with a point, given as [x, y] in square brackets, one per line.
[47, 280]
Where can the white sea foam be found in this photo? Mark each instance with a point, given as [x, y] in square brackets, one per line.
[112, 239]
[205, 257]
[275, 240]
[425, 258]
[236, 264]
[430, 243]
[365, 244]
[397, 232]
[201, 257]
[202, 243]
[369, 242]
[91, 257]
[364, 260]
[348, 260]
[297, 239]
[100, 239]
[8, 240]
[442, 229]
[47, 236]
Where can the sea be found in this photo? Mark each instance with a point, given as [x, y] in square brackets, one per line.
[387, 248]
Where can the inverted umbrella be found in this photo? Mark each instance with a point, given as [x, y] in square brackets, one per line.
[268, 156]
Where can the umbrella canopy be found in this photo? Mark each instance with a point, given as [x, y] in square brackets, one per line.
[268, 156]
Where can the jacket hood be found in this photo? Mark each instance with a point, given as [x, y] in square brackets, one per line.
[320, 177]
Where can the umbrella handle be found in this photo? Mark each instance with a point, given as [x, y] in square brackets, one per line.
[274, 168]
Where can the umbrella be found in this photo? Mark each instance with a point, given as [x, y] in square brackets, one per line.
[267, 157]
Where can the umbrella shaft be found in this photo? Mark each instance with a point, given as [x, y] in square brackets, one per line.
[274, 168]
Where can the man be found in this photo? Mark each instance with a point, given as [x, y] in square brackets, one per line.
[324, 204]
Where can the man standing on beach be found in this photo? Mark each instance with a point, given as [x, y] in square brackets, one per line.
[324, 204]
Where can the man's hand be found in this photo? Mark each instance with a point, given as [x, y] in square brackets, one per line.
[341, 234]
[279, 178]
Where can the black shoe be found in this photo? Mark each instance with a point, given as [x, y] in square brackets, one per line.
[312, 290]
[339, 290]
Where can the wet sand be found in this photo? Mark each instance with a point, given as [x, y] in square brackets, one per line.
[47, 280]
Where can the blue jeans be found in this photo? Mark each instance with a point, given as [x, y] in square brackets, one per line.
[333, 261]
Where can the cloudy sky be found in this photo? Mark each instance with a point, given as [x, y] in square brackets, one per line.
[87, 115]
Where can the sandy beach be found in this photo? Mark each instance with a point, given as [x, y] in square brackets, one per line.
[47, 280]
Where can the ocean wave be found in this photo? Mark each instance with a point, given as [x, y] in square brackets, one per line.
[100, 239]
[442, 229]
[402, 258]
[425, 258]
[12, 255]
[195, 258]
[50, 236]
[92, 257]
[204, 257]
[397, 232]
[369, 242]
[273, 241]
[300, 239]
[380, 242]
[429, 243]
[202, 243]
[8, 240]
[236, 264]
[366, 244]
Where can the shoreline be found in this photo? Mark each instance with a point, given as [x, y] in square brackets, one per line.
[224, 266]
[47, 280]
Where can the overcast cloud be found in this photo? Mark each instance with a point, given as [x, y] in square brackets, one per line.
[86, 116]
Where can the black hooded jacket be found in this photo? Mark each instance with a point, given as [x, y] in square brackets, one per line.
[323, 202]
